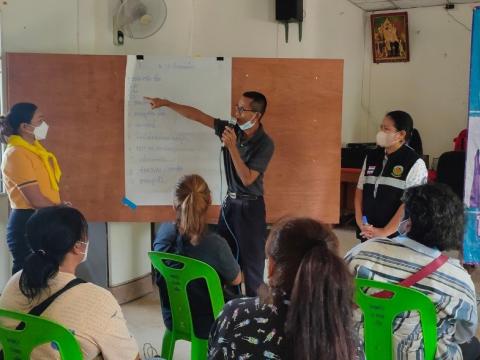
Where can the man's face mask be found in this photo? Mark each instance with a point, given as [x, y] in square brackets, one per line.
[404, 227]
[248, 125]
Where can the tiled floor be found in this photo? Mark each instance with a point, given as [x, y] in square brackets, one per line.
[145, 323]
[145, 319]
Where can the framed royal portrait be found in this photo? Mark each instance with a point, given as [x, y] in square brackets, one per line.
[390, 37]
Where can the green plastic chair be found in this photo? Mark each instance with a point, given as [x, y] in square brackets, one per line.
[177, 280]
[379, 313]
[18, 344]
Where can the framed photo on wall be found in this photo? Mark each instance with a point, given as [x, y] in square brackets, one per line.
[390, 37]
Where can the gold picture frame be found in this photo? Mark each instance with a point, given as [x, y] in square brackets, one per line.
[390, 37]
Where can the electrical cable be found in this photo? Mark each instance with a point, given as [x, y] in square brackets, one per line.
[222, 207]
[149, 352]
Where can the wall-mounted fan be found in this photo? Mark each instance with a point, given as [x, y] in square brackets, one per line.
[138, 19]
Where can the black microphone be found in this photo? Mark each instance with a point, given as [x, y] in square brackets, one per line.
[231, 124]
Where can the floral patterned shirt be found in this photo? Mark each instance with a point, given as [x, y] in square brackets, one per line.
[249, 329]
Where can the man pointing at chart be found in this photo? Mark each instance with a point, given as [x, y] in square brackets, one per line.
[246, 153]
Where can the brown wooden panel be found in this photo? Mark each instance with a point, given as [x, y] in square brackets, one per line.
[304, 119]
[83, 99]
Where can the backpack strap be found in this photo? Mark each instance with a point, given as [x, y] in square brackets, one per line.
[40, 308]
[428, 269]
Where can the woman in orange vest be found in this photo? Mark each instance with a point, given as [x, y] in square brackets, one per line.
[30, 173]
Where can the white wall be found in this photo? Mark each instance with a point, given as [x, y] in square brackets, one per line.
[49, 26]
[433, 86]
[128, 245]
[332, 29]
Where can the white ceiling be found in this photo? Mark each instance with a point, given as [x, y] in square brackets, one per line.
[374, 5]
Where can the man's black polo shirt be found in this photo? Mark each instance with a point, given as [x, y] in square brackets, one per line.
[256, 152]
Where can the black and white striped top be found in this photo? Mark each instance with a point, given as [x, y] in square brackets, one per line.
[449, 287]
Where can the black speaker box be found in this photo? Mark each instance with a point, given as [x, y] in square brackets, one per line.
[287, 10]
[354, 154]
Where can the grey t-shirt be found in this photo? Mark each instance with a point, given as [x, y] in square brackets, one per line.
[256, 152]
[213, 250]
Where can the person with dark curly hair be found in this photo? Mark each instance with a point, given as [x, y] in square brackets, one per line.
[433, 222]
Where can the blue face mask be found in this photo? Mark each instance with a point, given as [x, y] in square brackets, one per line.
[404, 227]
[248, 125]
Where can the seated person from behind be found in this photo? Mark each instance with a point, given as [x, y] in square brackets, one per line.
[58, 238]
[189, 236]
[433, 222]
[305, 313]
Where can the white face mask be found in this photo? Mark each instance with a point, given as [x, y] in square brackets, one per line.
[86, 250]
[248, 125]
[40, 132]
[385, 139]
[404, 227]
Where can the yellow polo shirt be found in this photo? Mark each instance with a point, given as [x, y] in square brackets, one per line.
[22, 168]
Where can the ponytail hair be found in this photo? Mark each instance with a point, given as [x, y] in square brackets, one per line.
[51, 233]
[19, 113]
[415, 142]
[307, 267]
[192, 200]
[5, 129]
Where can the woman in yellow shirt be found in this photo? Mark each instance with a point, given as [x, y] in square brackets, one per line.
[30, 173]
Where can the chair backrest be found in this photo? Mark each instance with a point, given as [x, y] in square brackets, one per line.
[177, 279]
[379, 314]
[18, 344]
[451, 170]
